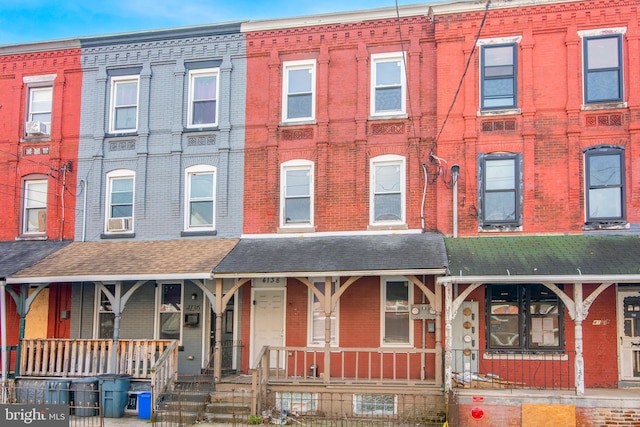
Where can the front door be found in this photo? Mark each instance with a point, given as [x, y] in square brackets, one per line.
[268, 322]
[629, 331]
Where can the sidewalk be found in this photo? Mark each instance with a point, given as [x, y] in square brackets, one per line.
[134, 421]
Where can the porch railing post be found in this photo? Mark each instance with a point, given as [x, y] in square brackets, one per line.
[448, 339]
[579, 317]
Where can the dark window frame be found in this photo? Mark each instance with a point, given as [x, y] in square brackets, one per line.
[589, 186]
[517, 190]
[587, 72]
[484, 78]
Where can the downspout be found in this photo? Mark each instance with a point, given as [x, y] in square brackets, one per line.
[455, 172]
[3, 328]
[424, 196]
[83, 182]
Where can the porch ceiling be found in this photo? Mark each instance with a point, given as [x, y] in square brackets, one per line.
[17, 255]
[131, 260]
[576, 258]
[388, 254]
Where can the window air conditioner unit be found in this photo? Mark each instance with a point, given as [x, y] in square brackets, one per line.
[119, 224]
[36, 128]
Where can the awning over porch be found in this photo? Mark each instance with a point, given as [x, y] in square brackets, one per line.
[130, 260]
[388, 254]
[18, 255]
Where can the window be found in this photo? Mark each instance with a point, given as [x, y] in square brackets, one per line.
[39, 114]
[120, 197]
[105, 321]
[298, 103]
[34, 217]
[396, 324]
[602, 55]
[387, 204]
[500, 188]
[524, 317]
[605, 184]
[388, 92]
[170, 311]
[200, 197]
[203, 98]
[124, 104]
[317, 318]
[296, 183]
[499, 76]
[375, 405]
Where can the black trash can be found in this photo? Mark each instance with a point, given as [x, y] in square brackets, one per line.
[85, 396]
[114, 394]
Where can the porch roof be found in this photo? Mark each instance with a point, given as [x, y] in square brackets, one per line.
[19, 254]
[130, 260]
[388, 254]
[568, 258]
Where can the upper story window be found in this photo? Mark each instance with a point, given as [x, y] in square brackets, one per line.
[524, 317]
[388, 84]
[299, 91]
[39, 108]
[500, 189]
[170, 311]
[120, 197]
[296, 193]
[124, 104]
[604, 174]
[499, 79]
[397, 327]
[317, 320]
[388, 188]
[203, 97]
[602, 63]
[34, 217]
[200, 197]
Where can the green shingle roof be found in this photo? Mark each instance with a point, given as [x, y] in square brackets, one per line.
[544, 255]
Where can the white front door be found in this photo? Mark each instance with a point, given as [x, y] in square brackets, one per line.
[629, 331]
[268, 322]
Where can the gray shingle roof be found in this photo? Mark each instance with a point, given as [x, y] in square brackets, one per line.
[335, 253]
[17, 255]
[544, 255]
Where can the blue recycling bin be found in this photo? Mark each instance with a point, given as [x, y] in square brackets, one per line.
[57, 391]
[114, 394]
[85, 396]
[144, 405]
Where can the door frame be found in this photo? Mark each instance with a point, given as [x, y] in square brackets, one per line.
[252, 347]
[621, 293]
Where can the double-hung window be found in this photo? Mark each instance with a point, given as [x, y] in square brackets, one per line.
[604, 174]
[317, 321]
[203, 97]
[602, 57]
[299, 91]
[34, 217]
[387, 202]
[524, 318]
[120, 198]
[388, 84]
[105, 316]
[499, 76]
[39, 114]
[170, 311]
[124, 104]
[200, 197]
[500, 190]
[296, 198]
[397, 327]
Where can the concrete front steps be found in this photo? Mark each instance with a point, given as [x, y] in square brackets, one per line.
[229, 403]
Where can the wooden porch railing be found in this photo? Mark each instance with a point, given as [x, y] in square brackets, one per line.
[81, 358]
[165, 371]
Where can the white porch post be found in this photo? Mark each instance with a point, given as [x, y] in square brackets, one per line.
[579, 317]
[438, 308]
[217, 355]
[3, 327]
[328, 293]
[448, 339]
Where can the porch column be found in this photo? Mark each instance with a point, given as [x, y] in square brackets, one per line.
[117, 316]
[328, 296]
[22, 307]
[438, 308]
[448, 339]
[3, 327]
[217, 351]
[579, 317]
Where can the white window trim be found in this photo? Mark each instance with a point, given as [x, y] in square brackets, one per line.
[193, 170]
[193, 74]
[296, 165]
[97, 296]
[115, 80]
[383, 299]
[388, 57]
[25, 195]
[298, 65]
[595, 33]
[387, 158]
[30, 112]
[119, 173]
[310, 342]
[158, 298]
